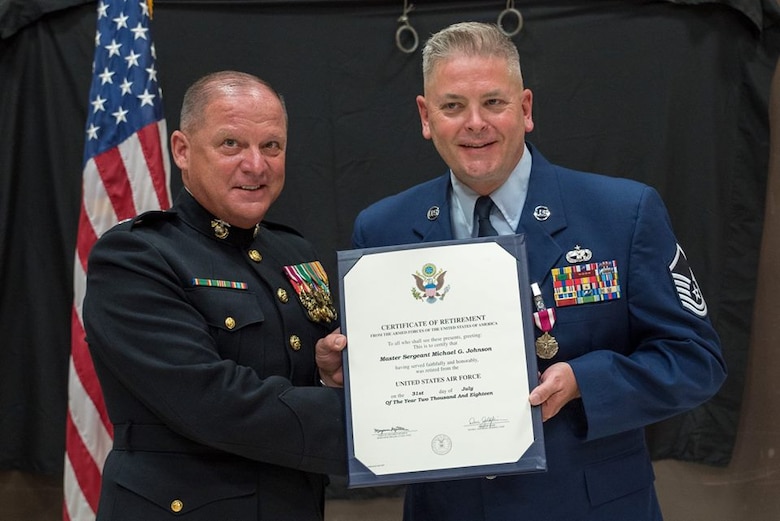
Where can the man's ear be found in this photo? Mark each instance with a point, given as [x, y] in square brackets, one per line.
[180, 149]
[423, 109]
[528, 104]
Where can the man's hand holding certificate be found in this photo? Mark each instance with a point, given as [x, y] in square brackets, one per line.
[438, 370]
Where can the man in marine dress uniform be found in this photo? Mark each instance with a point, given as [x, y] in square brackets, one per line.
[204, 323]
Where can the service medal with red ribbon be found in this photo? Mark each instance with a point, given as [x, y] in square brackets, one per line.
[546, 344]
[311, 284]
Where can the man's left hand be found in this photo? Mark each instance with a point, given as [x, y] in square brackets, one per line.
[328, 357]
[557, 387]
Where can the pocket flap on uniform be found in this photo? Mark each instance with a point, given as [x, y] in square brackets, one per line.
[618, 477]
[226, 309]
[183, 483]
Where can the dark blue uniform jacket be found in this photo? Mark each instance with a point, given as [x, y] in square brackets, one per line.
[638, 359]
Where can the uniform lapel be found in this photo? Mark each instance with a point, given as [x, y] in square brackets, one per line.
[433, 222]
[543, 192]
[544, 198]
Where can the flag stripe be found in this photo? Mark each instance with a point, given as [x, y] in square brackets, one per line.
[86, 238]
[126, 172]
[111, 167]
[137, 153]
[85, 370]
[88, 426]
[76, 506]
[97, 205]
[152, 140]
[79, 288]
[85, 470]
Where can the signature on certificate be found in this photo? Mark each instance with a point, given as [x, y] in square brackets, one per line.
[486, 422]
[391, 432]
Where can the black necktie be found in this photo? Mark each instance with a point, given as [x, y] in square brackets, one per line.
[482, 213]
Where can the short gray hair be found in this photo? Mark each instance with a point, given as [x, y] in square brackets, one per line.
[200, 93]
[470, 39]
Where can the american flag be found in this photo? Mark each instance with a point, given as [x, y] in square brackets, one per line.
[126, 172]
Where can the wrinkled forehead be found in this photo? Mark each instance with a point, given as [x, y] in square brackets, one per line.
[472, 59]
[472, 71]
[249, 102]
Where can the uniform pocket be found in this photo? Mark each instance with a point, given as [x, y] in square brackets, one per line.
[618, 477]
[162, 485]
[590, 312]
[226, 309]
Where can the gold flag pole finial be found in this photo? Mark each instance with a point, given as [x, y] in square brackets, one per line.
[151, 7]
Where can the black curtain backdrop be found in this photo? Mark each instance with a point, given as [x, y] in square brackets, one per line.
[669, 94]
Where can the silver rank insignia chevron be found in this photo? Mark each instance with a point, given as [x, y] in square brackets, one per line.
[685, 283]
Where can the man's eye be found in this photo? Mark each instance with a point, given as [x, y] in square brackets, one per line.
[273, 147]
[451, 106]
[494, 102]
[230, 143]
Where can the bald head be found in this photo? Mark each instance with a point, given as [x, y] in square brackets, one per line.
[204, 90]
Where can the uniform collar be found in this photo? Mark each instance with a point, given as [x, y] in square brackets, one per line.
[203, 221]
[509, 199]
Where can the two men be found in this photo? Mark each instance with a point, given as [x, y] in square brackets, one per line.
[203, 321]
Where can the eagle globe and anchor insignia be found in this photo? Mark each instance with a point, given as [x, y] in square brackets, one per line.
[430, 284]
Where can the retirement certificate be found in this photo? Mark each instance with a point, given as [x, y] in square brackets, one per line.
[440, 361]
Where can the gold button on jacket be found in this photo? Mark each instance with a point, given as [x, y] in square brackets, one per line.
[255, 255]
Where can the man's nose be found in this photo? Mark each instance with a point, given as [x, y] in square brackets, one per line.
[253, 160]
[476, 122]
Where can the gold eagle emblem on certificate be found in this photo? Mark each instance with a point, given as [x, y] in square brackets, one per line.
[430, 284]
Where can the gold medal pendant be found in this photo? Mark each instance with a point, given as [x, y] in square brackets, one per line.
[546, 346]
[318, 306]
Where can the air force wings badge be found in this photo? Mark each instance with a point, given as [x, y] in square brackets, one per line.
[430, 283]
[685, 283]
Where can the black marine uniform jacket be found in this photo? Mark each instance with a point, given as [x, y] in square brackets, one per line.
[205, 355]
